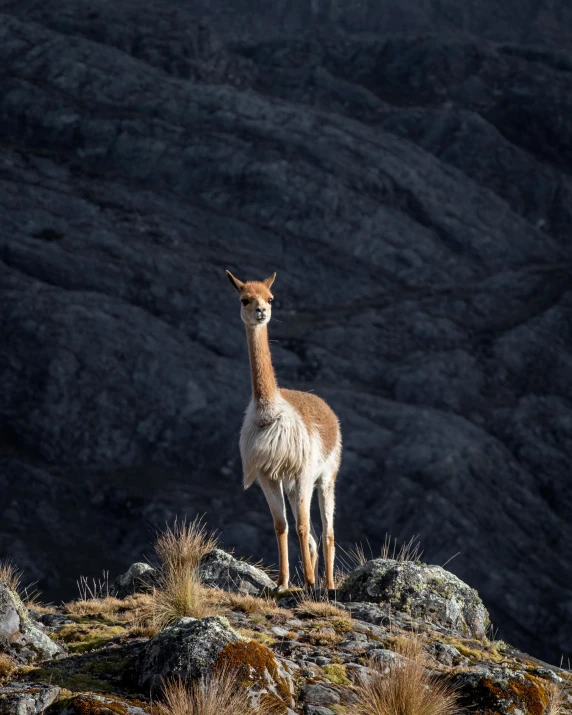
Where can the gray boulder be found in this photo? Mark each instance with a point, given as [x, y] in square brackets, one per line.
[19, 636]
[317, 694]
[138, 578]
[218, 568]
[427, 592]
[26, 698]
[189, 649]
[185, 649]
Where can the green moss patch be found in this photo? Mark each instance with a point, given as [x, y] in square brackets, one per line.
[257, 636]
[81, 638]
[101, 671]
[336, 674]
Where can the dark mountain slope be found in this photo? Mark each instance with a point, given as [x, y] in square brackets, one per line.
[423, 288]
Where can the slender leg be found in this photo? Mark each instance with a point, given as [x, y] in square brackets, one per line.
[326, 498]
[313, 537]
[303, 496]
[275, 498]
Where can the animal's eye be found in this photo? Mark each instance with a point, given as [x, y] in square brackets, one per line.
[245, 301]
[270, 300]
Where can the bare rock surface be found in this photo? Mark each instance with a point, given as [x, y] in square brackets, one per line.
[427, 592]
[27, 698]
[413, 192]
[189, 649]
[20, 637]
[186, 649]
[221, 569]
[138, 578]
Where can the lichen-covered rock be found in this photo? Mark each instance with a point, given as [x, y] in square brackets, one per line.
[138, 578]
[422, 591]
[500, 691]
[218, 568]
[101, 705]
[446, 654]
[189, 649]
[186, 649]
[19, 636]
[257, 670]
[27, 698]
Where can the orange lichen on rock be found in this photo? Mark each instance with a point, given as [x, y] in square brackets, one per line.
[90, 704]
[250, 660]
[254, 664]
[524, 693]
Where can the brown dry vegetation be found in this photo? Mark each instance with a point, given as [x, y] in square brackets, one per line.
[7, 668]
[10, 575]
[556, 699]
[314, 607]
[404, 687]
[214, 695]
[182, 547]
[103, 606]
[179, 591]
[178, 595]
[247, 603]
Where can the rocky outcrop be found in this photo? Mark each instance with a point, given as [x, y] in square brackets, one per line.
[429, 593]
[138, 578]
[190, 649]
[20, 637]
[221, 569]
[27, 698]
[309, 659]
[418, 186]
[186, 649]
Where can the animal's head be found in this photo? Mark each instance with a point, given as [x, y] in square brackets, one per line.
[255, 298]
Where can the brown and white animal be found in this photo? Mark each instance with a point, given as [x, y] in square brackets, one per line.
[290, 441]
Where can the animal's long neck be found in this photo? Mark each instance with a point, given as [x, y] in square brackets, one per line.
[264, 387]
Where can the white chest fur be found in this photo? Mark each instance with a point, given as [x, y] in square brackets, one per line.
[276, 443]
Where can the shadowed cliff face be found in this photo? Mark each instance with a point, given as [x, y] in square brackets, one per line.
[413, 193]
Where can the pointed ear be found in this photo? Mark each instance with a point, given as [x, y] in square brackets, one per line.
[239, 285]
[269, 281]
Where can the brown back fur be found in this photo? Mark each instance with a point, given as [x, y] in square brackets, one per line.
[314, 411]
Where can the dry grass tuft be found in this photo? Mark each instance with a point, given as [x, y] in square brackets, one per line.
[178, 595]
[247, 603]
[143, 629]
[102, 606]
[321, 609]
[213, 695]
[10, 575]
[318, 606]
[182, 547]
[409, 551]
[7, 669]
[179, 591]
[404, 687]
[556, 699]
[324, 637]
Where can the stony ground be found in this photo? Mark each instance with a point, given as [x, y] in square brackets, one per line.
[309, 651]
